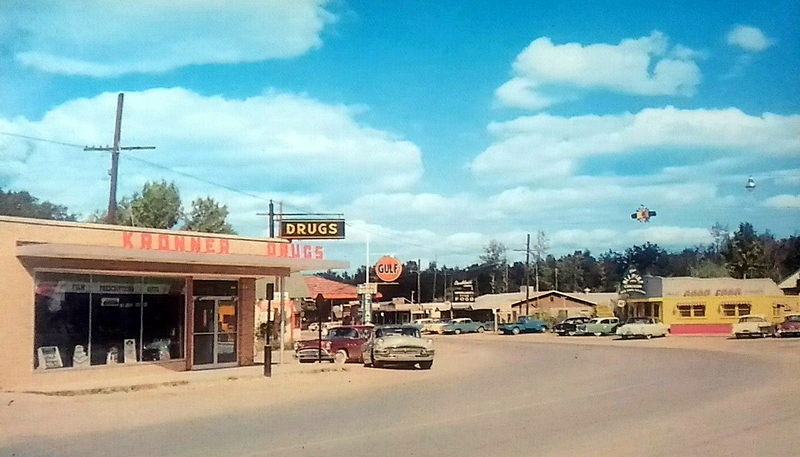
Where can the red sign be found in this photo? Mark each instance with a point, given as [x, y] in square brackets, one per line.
[208, 245]
[388, 269]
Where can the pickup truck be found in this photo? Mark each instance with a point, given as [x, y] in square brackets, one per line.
[524, 324]
[341, 344]
[465, 325]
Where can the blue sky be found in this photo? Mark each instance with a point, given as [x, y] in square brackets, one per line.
[433, 126]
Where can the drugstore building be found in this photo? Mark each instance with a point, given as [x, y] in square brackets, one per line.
[99, 300]
[708, 305]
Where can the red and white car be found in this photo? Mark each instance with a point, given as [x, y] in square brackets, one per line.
[790, 326]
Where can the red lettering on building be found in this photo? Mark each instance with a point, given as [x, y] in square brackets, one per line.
[271, 250]
[306, 252]
[224, 247]
[295, 251]
[180, 244]
[284, 250]
[195, 244]
[163, 242]
[145, 241]
[209, 245]
[127, 240]
[319, 253]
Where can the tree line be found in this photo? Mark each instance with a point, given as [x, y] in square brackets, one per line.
[157, 205]
[743, 253]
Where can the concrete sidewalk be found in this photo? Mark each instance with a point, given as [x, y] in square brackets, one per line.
[93, 381]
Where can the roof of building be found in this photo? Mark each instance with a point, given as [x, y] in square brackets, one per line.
[509, 300]
[331, 290]
[791, 282]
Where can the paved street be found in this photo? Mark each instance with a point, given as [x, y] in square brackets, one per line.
[527, 395]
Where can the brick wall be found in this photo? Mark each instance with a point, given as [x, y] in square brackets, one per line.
[246, 321]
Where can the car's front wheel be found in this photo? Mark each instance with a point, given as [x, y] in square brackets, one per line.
[480, 330]
[376, 363]
[340, 357]
[515, 330]
[457, 331]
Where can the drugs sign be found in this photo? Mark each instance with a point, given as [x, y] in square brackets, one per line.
[296, 229]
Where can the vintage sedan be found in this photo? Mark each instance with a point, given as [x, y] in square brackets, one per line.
[524, 324]
[642, 327]
[436, 326]
[339, 345]
[753, 325]
[569, 326]
[790, 326]
[401, 345]
[465, 325]
[598, 326]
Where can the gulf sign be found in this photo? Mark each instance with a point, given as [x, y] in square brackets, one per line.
[312, 229]
[388, 269]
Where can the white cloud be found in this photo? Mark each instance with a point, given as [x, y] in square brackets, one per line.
[783, 201]
[551, 147]
[105, 39]
[642, 66]
[750, 39]
[271, 145]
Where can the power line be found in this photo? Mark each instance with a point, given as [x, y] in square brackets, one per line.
[43, 140]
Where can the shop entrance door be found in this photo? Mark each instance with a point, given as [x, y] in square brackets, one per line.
[214, 332]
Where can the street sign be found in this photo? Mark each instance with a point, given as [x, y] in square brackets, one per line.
[312, 229]
[371, 288]
[388, 269]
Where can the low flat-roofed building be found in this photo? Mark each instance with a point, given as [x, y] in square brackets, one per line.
[81, 298]
[708, 305]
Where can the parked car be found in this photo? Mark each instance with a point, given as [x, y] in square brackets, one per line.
[465, 325]
[524, 324]
[790, 326]
[400, 344]
[642, 327]
[436, 326]
[339, 345]
[569, 326]
[598, 326]
[421, 323]
[753, 325]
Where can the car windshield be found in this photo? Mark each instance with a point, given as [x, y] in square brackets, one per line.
[795, 318]
[342, 332]
[393, 331]
[639, 320]
[751, 319]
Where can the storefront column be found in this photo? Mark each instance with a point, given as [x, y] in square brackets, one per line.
[188, 339]
[246, 321]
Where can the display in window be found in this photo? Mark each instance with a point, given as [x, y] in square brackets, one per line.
[112, 356]
[49, 357]
[80, 358]
[130, 351]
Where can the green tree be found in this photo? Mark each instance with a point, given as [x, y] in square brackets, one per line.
[745, 253]
[207, 216]
[709, 269]
[158, 206]
[495, 262]
[23, 204]
[648, 258]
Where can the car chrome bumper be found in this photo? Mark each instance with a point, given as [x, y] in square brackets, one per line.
[313, 355]
[403, 356]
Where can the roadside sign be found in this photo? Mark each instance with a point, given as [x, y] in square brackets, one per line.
[312, 229]
[388, 269]
[371, 288]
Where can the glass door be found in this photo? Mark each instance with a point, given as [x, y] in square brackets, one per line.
[214, 331]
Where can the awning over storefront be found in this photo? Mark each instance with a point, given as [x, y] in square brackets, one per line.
[54, 255]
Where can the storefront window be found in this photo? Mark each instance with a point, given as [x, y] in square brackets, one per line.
[735, 309]
[84, 320]
[116, 319]
[692, 310]
[61, 335]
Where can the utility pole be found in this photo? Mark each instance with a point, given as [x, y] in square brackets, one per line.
[419, 289]
[436, 267]
[271, 219]
[111, 214]
[527, 275]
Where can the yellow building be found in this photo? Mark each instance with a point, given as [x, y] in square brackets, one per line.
[708, 306]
